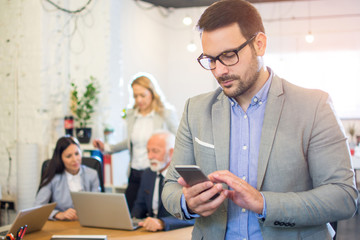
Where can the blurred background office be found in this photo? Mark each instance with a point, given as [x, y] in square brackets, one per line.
[46, 45]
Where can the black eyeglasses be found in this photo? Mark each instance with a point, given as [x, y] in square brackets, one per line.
[228, 58]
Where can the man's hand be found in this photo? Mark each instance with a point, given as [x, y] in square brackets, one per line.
[198, 197]
[69, 214]
[152, 224]
[243, 194]
[97, 143]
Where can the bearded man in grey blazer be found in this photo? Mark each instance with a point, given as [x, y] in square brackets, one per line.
[275, 152]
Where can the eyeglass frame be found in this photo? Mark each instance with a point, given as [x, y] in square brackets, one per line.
[236, 51]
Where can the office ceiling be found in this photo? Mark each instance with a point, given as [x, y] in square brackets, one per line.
[197, 3]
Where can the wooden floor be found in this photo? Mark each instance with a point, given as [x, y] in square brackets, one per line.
[349, 229]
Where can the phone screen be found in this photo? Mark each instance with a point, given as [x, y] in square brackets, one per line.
[193, 175]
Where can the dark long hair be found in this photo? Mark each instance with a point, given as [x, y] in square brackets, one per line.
[224, 13]
[56, 164]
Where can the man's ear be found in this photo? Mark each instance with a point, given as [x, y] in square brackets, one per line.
[260, 44]
[171, 151]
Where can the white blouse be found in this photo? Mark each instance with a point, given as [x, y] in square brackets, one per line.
[74, 181]
[142, 131]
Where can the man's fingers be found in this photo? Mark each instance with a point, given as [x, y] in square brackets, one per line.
[151, 224]
[202, 204]
[182, 182]
[230, 179]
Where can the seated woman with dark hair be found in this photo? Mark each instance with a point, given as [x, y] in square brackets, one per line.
[65, 174]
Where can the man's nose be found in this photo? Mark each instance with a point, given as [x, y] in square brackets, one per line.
[220, 69]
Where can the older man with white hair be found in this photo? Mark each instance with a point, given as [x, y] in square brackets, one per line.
[148, 203]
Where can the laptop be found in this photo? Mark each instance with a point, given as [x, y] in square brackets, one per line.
[34, 218]
[103, 210]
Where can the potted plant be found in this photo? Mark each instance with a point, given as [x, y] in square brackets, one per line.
[107, 131]
[82, 107]
[351, 131]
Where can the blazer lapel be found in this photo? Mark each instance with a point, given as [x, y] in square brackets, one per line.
[221, 134]
[85, 183]
[221, 131]
[273, 110]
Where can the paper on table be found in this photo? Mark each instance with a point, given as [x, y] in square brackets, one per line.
[75, 237]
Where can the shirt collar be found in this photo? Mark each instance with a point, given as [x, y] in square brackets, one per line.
[150, 114]
[163, 173]
[70, 176]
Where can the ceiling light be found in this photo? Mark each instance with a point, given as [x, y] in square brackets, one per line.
[187, 20]
[191, 47]
[309, 38]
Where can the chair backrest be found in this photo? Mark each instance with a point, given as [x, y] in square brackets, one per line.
[87, 161]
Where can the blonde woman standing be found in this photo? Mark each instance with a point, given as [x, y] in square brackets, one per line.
[149, 113]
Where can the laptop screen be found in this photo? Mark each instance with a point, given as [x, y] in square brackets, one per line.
[104, 210]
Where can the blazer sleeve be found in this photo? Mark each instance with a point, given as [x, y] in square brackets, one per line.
[46, 194]
[172, 223]
[43, 197]
[183, 154]
[120, 146]
[125, 143]
[330, 194]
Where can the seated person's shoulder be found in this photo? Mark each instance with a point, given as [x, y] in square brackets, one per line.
[88, 170]
[148, 172]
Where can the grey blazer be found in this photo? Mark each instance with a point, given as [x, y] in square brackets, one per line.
[169, 122]
[58, 190]
[304, 166]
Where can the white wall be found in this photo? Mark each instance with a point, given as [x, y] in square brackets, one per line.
[116, 39]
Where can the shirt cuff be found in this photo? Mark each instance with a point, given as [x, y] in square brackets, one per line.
[185, 210]
[262, 216]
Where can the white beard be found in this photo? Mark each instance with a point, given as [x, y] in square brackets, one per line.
[158, 166]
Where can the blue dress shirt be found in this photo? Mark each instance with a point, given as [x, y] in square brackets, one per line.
[245, 135]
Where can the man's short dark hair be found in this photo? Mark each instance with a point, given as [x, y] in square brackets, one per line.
[227, 12]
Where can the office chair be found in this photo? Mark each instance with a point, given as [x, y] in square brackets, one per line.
[334, 226]
[87, 161]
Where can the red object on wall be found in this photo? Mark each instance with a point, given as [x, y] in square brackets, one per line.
[107, 169]
[69, 125]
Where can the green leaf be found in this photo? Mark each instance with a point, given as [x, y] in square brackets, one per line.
[83, 106]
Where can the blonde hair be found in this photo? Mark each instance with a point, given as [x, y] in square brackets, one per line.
[157, 105]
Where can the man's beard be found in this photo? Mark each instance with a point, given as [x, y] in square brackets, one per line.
[242, 85]
[159, 165]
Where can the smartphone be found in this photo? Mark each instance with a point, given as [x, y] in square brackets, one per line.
[193, 175]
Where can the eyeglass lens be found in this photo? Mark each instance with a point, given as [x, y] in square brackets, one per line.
[228, 58]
